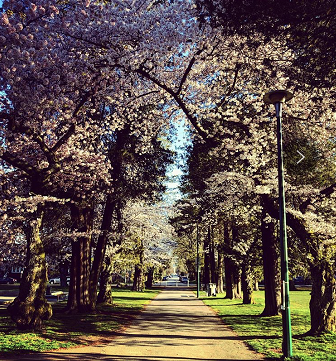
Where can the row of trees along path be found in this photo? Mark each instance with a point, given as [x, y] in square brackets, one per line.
[88, 93]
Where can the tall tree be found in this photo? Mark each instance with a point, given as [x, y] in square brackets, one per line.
[308, 28]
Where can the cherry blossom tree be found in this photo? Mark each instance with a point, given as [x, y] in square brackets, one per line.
[56, 76]
[306, 26]
[150, 236]
[73, 74]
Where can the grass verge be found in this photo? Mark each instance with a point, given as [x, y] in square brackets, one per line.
[65, 330]
[264, 334]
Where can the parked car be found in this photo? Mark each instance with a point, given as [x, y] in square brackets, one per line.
[165, 278]
[184, 279]
[7, 280]
[55, 281]
[299, 280]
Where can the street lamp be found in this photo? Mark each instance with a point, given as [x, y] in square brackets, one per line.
[197, 261]
[278, 97]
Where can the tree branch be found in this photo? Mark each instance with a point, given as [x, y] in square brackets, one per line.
[72, 127]
[19, 163]
[64, 138]
[297, 224]
[237, 68]
[327, 192]
[178, 100]
[188, 69]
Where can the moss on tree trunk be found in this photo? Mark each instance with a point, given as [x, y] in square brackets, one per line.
[31, 308]
[323, 298]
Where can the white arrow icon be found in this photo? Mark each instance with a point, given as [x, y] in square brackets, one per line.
[303, 157]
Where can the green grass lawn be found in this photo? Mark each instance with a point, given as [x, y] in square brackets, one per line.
[264, 334]
[64, 330]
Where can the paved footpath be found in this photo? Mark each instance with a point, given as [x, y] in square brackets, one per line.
[175, 326]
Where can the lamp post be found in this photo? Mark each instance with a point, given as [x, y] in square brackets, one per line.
[278, 97]
[197, 262]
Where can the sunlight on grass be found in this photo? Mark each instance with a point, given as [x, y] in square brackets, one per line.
[66, 330]
[264, 334]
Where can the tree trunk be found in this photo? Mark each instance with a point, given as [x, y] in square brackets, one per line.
[247, 284]
[228, 264]
[101, 249]
[138, 283]
[271, 268]
[322, 305]
[237, 286]
[255, 284]
[79, 300]
[232, 280]
[323, 298]
[30, 308]
[150, 277]
[220, 281]
[213, 270]
[206, 268]
[228, 278]
[105, 289]
[63, 267]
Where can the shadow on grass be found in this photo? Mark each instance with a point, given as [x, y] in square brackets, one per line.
[77, 329]
[102, 322]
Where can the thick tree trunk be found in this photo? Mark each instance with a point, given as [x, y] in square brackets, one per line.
[323, 298]
[228, 278]
[105, 289]
[220, 281]
[139, 283]
[247, 284]
[232, 280]
[255, 285]
[79, 300]
[206, 268]
[228, 264]
[30, 308]
[322, 305]
[271, 268]
[213, 270]
[237, 281]
[150, 277]
[101, 249]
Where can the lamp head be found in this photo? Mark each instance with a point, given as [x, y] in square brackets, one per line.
[277, 96]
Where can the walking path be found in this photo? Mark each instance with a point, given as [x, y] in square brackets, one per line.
[175, 326]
